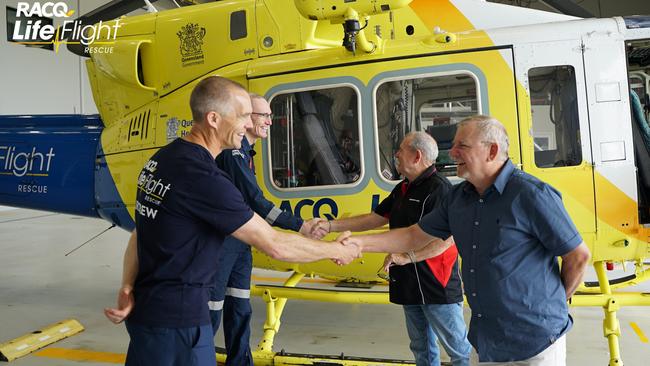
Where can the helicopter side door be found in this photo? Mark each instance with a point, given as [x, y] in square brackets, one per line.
[554, 125]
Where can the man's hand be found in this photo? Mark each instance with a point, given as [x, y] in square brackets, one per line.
[322, 228]
[395, 259]
[349, 250]
[310, 228]
[125, 303]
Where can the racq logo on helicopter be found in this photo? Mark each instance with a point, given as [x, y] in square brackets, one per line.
[29, 27]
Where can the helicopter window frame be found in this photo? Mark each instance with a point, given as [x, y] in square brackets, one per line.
[561, 151]
[458, 72]
[269, 140]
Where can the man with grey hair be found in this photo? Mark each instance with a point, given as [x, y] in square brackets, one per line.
[509, 227]
[427, 286]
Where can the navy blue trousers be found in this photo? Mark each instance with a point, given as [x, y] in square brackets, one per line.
[156, 346]
[230, 299]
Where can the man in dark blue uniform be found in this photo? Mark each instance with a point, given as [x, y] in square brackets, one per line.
[509, 228]
[231, 293]
[428, 287]
[185, 207]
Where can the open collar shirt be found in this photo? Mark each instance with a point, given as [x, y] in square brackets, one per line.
[509, 239]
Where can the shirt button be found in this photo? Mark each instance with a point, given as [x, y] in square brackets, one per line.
[475, 223]
[474, 246]
[471, 270]
[479, 315]
[480, 200]
[473, 293]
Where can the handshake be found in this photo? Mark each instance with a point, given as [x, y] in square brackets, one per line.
[347, 250]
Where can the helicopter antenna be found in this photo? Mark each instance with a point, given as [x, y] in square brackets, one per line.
[88, 241]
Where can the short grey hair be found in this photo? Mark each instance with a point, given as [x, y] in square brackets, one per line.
[490, 131]
[214, 93]
[422, 141]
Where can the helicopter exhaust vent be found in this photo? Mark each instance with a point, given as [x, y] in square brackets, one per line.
[139, 126]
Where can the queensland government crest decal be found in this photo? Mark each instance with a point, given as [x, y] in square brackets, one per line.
[191, 37]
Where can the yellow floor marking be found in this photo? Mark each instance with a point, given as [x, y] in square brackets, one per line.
[639, 332]
[119, 358]
[82, 355]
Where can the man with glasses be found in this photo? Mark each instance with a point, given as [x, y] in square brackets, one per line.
[231, 292]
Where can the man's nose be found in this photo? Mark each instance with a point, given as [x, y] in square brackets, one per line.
[453, 152]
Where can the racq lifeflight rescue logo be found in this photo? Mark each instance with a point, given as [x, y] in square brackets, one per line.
[30, 29]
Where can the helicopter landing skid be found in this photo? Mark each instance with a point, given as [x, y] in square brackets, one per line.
[276, 297]
[611, 302]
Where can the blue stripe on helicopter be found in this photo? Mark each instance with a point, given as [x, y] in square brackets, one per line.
[47, 162]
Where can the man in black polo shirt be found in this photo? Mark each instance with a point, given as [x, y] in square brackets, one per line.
[185, 206]
[425, 282]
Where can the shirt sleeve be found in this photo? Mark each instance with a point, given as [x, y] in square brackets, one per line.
[550, 222]
[385, 206]
[436, 222]
[244, 179]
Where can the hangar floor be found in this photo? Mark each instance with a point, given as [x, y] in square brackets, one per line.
[39, 286]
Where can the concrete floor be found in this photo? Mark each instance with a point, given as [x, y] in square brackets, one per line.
[39, 285]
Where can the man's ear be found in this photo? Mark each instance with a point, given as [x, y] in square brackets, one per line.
[213, 119]
[494, 151]
[418, 156]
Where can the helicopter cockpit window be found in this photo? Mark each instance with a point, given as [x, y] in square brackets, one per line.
[434, 104]
[554, 105]
[315, 138]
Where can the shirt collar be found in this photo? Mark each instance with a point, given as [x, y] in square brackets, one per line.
[504, 175]
[425, 174]
[245, 146]
[499, 183]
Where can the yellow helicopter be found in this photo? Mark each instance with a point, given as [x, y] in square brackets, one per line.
[346, 81]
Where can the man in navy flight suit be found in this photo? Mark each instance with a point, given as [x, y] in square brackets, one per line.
[231, 294]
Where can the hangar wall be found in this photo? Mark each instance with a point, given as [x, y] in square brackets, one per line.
[42, 81]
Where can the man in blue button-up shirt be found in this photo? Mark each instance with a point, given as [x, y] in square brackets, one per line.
[509, 228]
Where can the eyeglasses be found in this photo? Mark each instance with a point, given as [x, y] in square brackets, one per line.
[263, 115]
